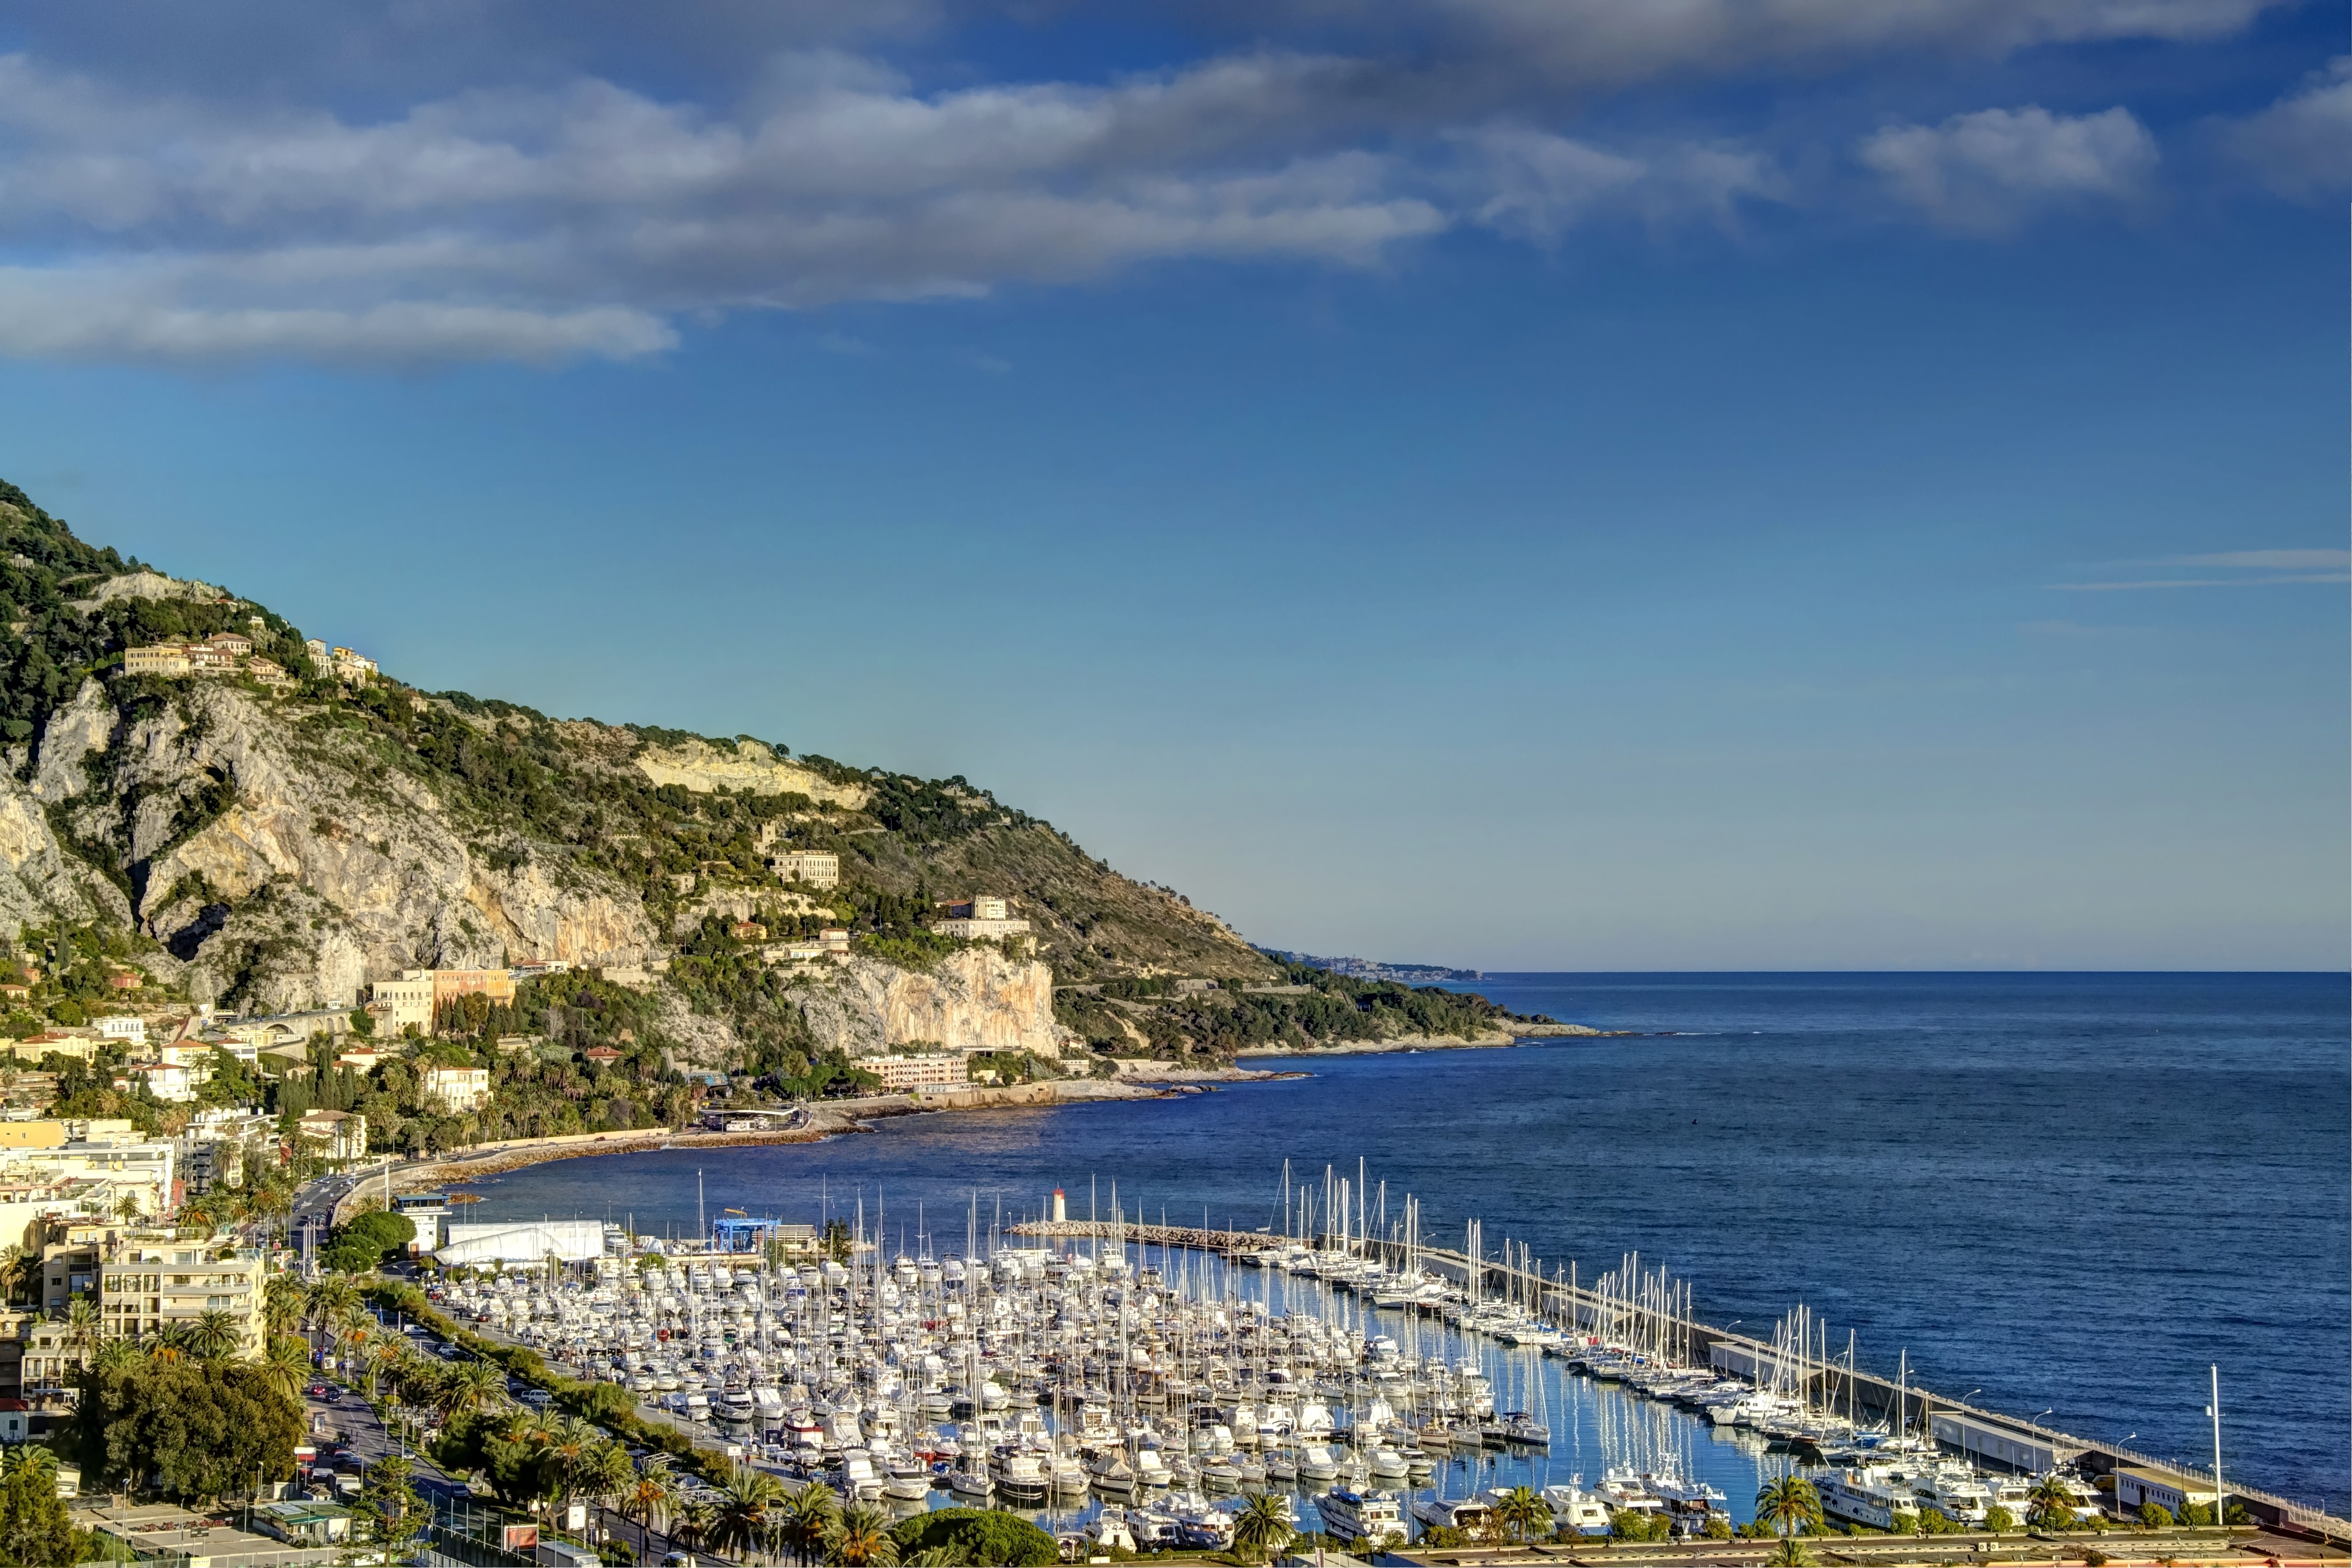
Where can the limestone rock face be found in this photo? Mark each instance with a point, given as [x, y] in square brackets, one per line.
[284, 859]
[287, 865]
[975, 1000]
[745, 904]
[702, 767]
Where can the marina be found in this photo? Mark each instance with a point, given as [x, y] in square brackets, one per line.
[1123, 1382]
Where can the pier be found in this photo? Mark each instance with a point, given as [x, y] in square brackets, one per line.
[1987, 1437]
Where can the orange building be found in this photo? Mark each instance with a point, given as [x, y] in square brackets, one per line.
[448, 985]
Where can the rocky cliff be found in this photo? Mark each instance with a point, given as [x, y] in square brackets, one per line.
[280, 866]
[977, 1000]
[276, 847]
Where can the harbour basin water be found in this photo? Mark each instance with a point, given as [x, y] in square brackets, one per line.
[2068, 1193]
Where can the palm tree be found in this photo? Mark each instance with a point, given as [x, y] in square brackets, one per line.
[1524, 1512]
[385, 1360]
[18, 1269]
[1262, 1528]
[84, 1324]
[284, 1303]
[863, 1540]
[470, 1385]
[115, 1355]
[809, 1515]
[649, 1498]
[327, 1301]
[285, 1364]
[693, 1525]
[2052, 1506]
[215, 1335]
[1789, 1505]
[743, 1508]
[37, 1457]
[602, 1473]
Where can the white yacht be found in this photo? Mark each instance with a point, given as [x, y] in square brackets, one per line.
[1573, 1508]
[1372, 1518]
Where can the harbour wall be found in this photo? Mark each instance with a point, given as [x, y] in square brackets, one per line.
[1993, 1440]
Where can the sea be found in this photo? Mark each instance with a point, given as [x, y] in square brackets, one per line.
[2062, 1195]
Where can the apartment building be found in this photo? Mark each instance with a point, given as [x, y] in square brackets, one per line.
[152, 1282]
[936, 1070]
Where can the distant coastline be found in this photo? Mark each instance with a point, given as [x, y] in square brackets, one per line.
[1373, 969]
[1517, 1035]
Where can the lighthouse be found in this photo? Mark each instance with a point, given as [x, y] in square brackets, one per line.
[1061, 1209]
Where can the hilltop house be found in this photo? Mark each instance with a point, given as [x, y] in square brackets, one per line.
[158, 658]
[980, 918]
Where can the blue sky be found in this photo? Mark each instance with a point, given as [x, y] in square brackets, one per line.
[1613, 485]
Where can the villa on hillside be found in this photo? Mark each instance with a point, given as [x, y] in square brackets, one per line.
[817, 867]
[978, 918]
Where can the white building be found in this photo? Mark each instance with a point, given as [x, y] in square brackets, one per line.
[817, 867]
[121, 1030]
[979, 919]
[936, 1070]
[460, 1089]
[171, 1084]
[111, 1170]
[341, 1135]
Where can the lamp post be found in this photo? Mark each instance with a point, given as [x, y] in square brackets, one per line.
[2214, 1410]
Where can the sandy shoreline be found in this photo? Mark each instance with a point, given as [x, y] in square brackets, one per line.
[1137, 1079]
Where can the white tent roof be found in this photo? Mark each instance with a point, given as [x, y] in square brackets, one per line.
[530, 1241]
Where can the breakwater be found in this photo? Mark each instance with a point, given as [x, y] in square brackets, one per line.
[1989, 1438]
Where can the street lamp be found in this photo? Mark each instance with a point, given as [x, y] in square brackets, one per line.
[2214, 1410]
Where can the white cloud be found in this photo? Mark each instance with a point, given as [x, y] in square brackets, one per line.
[1619, 42]
[1540, 183]
[574, 221]
[2137, 586]
[574, 215]
[2272, 560]
[2301, 146]
[122, 314]
[1988, 171]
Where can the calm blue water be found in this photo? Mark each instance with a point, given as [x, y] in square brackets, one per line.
[2071, 1192]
